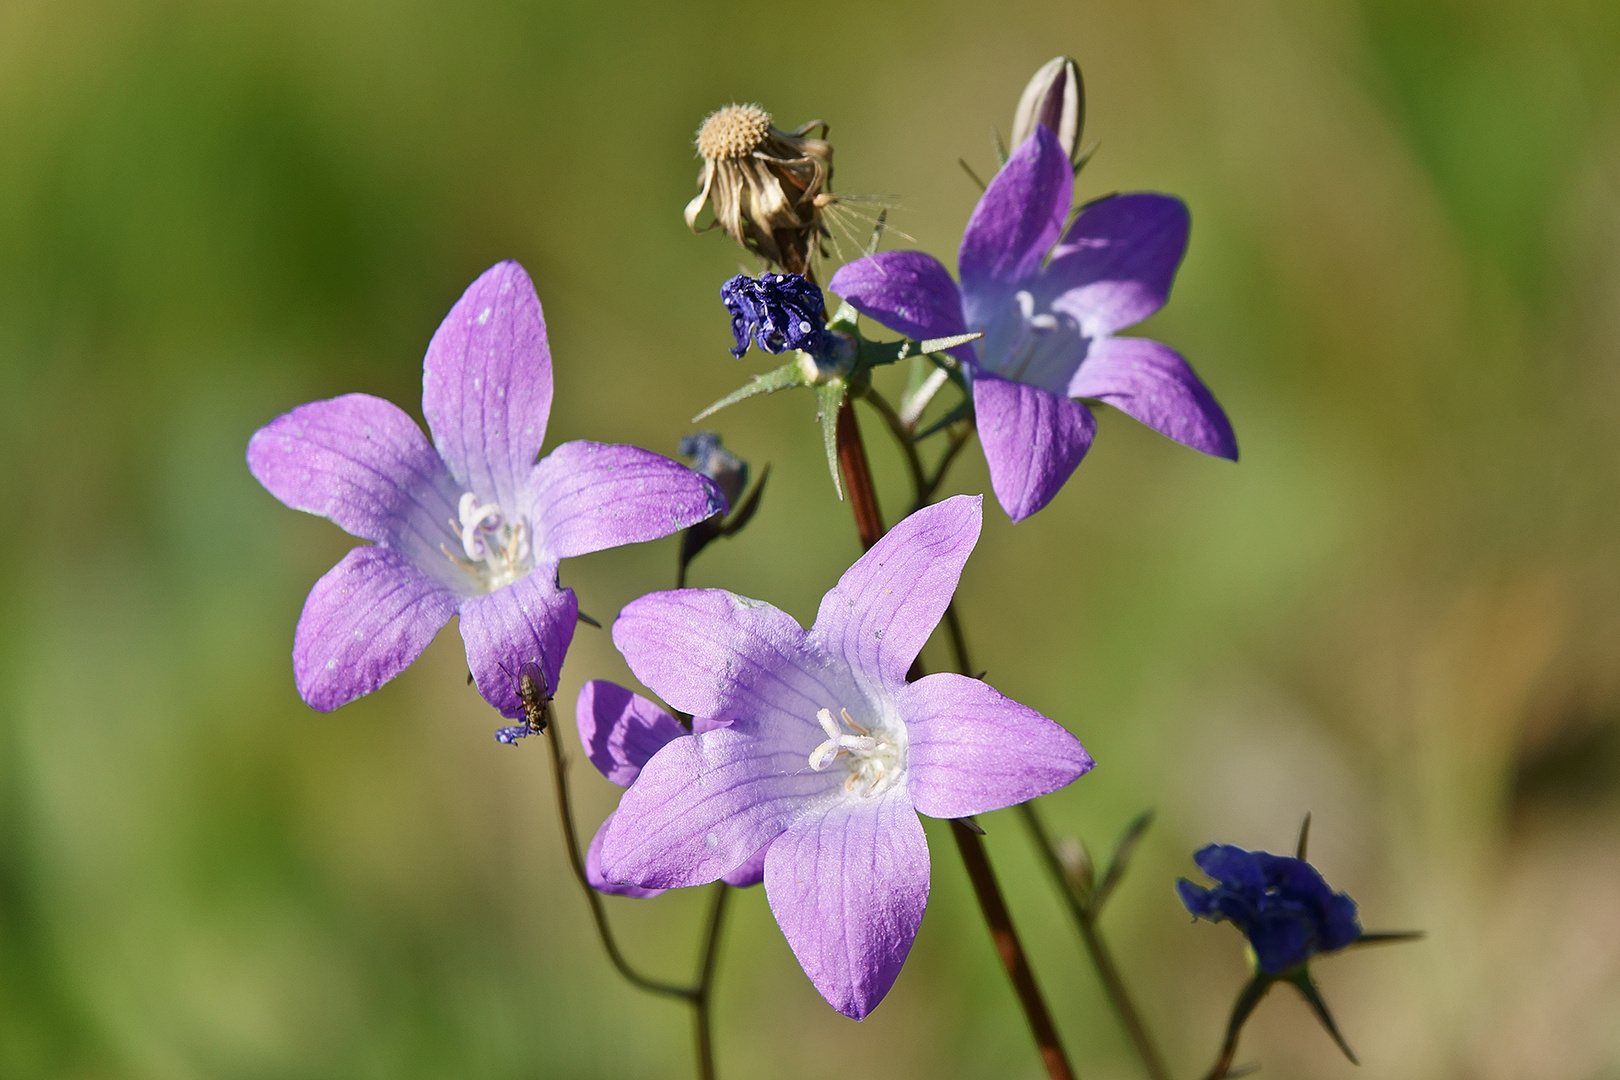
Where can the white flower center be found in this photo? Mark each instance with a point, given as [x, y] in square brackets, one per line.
[496, 547]
[872, 757]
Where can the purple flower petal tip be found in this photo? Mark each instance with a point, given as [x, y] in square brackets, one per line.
[1033, 440]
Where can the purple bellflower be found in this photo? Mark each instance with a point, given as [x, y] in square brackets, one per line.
[620, 731]
[1281, 904]
[470, 524]
[1049, 315]
[777, 312]
[820, 753]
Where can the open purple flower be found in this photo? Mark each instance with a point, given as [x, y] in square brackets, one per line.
[1049, 315]
[620, 731]
[1281, 904]
[470, 524]
[822, 754]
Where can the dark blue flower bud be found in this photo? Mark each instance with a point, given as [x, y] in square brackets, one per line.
[1281, 904]
[777, 312]
[710, 458]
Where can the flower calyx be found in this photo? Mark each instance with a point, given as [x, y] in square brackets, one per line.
[778, 312]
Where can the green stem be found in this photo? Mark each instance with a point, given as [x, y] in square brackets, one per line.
[1101, 958]
[565, 812]
[703, 1001]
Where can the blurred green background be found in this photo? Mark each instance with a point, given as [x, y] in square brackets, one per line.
[1400, 611]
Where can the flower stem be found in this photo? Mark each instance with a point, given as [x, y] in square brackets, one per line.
[703, 1001]
[1101, 958]
[565, 813]
[994, 907]
[857, 474]
[1119, 997]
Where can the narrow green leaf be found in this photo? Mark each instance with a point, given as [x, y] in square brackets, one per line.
[1307, 987]
[1388, 937]
[788, 375]
[829, 396]
[1121, 860]
[1304, 835]
[963, 411]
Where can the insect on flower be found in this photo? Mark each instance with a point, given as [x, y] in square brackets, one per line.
[533, 691]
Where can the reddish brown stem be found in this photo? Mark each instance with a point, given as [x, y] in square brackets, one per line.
[857, 474]
[1011, 952]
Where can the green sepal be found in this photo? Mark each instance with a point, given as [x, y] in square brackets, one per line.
[962, 411]
[829, 399]
[789, 375]
[1121, 860]
[1301, 978]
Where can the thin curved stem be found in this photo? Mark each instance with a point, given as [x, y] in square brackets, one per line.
[1085, 919]
[703, 1001]
[902, 435]
[1107, 971]
[565, 812]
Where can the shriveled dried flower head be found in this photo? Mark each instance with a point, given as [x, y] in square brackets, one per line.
[768, 187]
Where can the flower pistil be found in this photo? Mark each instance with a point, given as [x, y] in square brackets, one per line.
[871, 759]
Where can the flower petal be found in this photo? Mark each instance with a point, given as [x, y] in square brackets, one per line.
[529, 621]
[972, 750]
[704, 805]
[593, 871]
[884, 607]
[1032, 440]
[907, 291]
[727, 658]
[365, 621]
[1151, 382]
[362, 463]
[486, 385]
[620, 730]
[750, 873]
[1118, 259]
[848, 886]
[588, 496]
[1018, 218]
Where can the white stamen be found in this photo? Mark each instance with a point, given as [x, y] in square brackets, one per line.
[492, 564]
[838, 743]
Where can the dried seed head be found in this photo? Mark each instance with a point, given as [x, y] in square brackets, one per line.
[767, 187]
[733, 132]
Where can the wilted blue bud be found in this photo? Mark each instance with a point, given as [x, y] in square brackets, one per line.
[777, 312]
[1056, 98]
[708, 457]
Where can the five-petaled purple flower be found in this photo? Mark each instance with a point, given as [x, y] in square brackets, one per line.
[470, 524]
[620, 731]
[1049, 316]
[822, 754]
[777, 312]
[1281, 904]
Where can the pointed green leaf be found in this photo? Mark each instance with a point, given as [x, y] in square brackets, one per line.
[788, 375]
[1307, 988]
[745, 513]
[1121, 860]
[1388, 937]
[971, 174]
[942, 344]
[1242, 1008]
[1304, 835]
[829, 397]
[963, 411]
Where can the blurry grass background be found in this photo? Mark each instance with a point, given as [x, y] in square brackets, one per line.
[1401, 611]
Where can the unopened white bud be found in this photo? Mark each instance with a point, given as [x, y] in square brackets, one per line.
[1055, 97]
